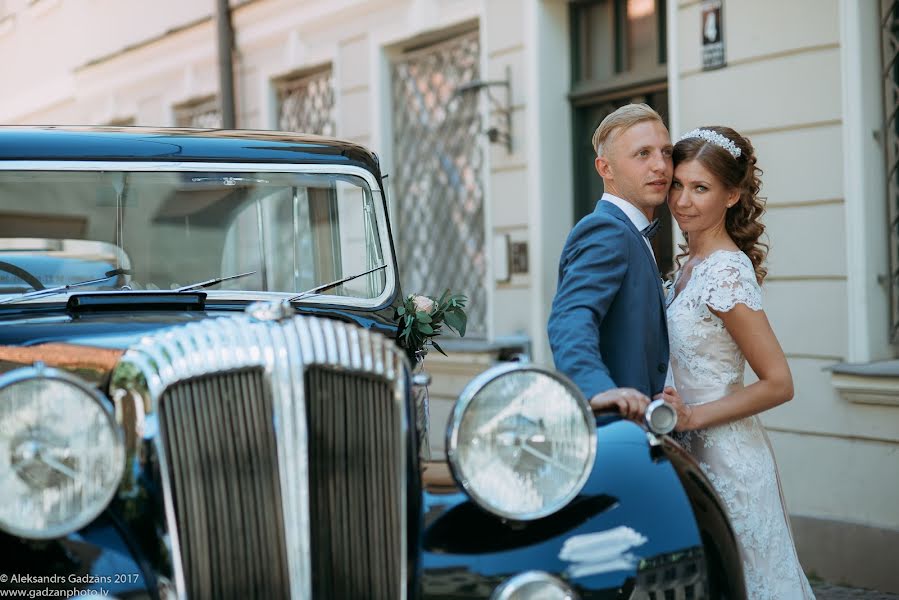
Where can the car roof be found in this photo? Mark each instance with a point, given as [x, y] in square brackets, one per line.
[89, 143]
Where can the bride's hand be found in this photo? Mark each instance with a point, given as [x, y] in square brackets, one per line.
[684, 411]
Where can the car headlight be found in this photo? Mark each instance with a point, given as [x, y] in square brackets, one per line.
[521, 441]
[61, 453]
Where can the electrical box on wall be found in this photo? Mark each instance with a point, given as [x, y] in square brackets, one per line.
[518, 258]
[509, 257]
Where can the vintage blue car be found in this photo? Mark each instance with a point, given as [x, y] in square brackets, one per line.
[202, 396]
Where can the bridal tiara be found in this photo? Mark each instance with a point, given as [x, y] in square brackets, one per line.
[714, 137]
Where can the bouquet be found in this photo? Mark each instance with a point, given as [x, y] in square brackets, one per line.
[421, 318]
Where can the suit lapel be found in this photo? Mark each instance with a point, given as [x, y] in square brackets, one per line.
[611, 209]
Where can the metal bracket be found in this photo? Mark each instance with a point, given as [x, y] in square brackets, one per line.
[500, 132]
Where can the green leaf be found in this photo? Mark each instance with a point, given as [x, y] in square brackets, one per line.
[464, 318]
[437, 346]
[423, 317]
[425, 328]
[401, 310]
[453, 321]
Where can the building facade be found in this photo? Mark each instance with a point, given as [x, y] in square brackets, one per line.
[482, 113]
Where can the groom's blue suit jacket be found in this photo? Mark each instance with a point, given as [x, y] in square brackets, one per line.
[607, 326]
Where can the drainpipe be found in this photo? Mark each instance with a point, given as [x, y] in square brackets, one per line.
[226, 63]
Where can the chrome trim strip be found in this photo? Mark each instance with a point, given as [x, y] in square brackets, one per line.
[314, 169]
[163, 166]
[467, 396]
[283, 349]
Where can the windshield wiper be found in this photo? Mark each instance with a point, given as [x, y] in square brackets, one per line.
[211, 282]
[328, 286]
[63, 288]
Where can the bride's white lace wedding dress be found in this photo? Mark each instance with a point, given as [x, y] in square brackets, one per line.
[706, 364]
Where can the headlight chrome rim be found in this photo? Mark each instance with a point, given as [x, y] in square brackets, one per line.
[517, 582]
[464, 401]
[39, 371]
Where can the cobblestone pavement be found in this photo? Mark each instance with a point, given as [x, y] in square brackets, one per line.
[826, 591]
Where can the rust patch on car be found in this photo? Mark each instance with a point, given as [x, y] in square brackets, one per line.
[90, 362]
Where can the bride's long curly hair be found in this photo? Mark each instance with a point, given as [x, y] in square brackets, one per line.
[742, 220]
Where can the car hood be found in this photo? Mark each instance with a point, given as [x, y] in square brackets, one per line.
[111, 331]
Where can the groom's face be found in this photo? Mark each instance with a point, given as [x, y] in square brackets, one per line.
[637, 165]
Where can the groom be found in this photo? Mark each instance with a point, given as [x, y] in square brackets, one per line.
[607, 327]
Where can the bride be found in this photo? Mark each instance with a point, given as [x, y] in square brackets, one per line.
[715, 324]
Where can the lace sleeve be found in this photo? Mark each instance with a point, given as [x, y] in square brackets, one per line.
[730, 280]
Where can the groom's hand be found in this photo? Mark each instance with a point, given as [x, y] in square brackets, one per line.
[630, 403]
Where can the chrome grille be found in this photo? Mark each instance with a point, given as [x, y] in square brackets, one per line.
[219, 441]
[353, 485]
[227, 388]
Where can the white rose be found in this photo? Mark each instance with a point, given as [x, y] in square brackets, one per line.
[423, 304]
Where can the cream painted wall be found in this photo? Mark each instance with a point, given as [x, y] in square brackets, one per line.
[36, 32]
[551, 176]
[508, 193]
[783, 87]
[834, 478]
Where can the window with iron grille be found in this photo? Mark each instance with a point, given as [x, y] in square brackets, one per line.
[439, 189]
[306, 103]
[204, 113]
[890, 45]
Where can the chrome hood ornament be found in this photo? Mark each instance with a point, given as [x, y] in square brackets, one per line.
[270, 310]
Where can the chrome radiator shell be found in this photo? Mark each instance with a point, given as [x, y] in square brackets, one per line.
[282, 352]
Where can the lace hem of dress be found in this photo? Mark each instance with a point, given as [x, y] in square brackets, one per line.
[737, 459]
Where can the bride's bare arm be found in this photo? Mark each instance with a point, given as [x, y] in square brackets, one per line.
[753, 334]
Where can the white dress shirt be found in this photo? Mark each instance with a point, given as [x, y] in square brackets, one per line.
[633, 213]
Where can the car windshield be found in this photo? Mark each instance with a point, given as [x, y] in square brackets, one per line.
[151, 230]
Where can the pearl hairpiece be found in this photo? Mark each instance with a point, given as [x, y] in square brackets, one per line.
[714, 137]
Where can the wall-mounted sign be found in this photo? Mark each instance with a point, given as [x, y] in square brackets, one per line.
[712, 35]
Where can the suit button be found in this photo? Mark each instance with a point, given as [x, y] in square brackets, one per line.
[663, 368]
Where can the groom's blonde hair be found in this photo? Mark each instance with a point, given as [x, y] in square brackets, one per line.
[621, 120]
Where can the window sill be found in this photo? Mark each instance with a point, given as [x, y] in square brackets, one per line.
[503, 348]
[867, 383]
